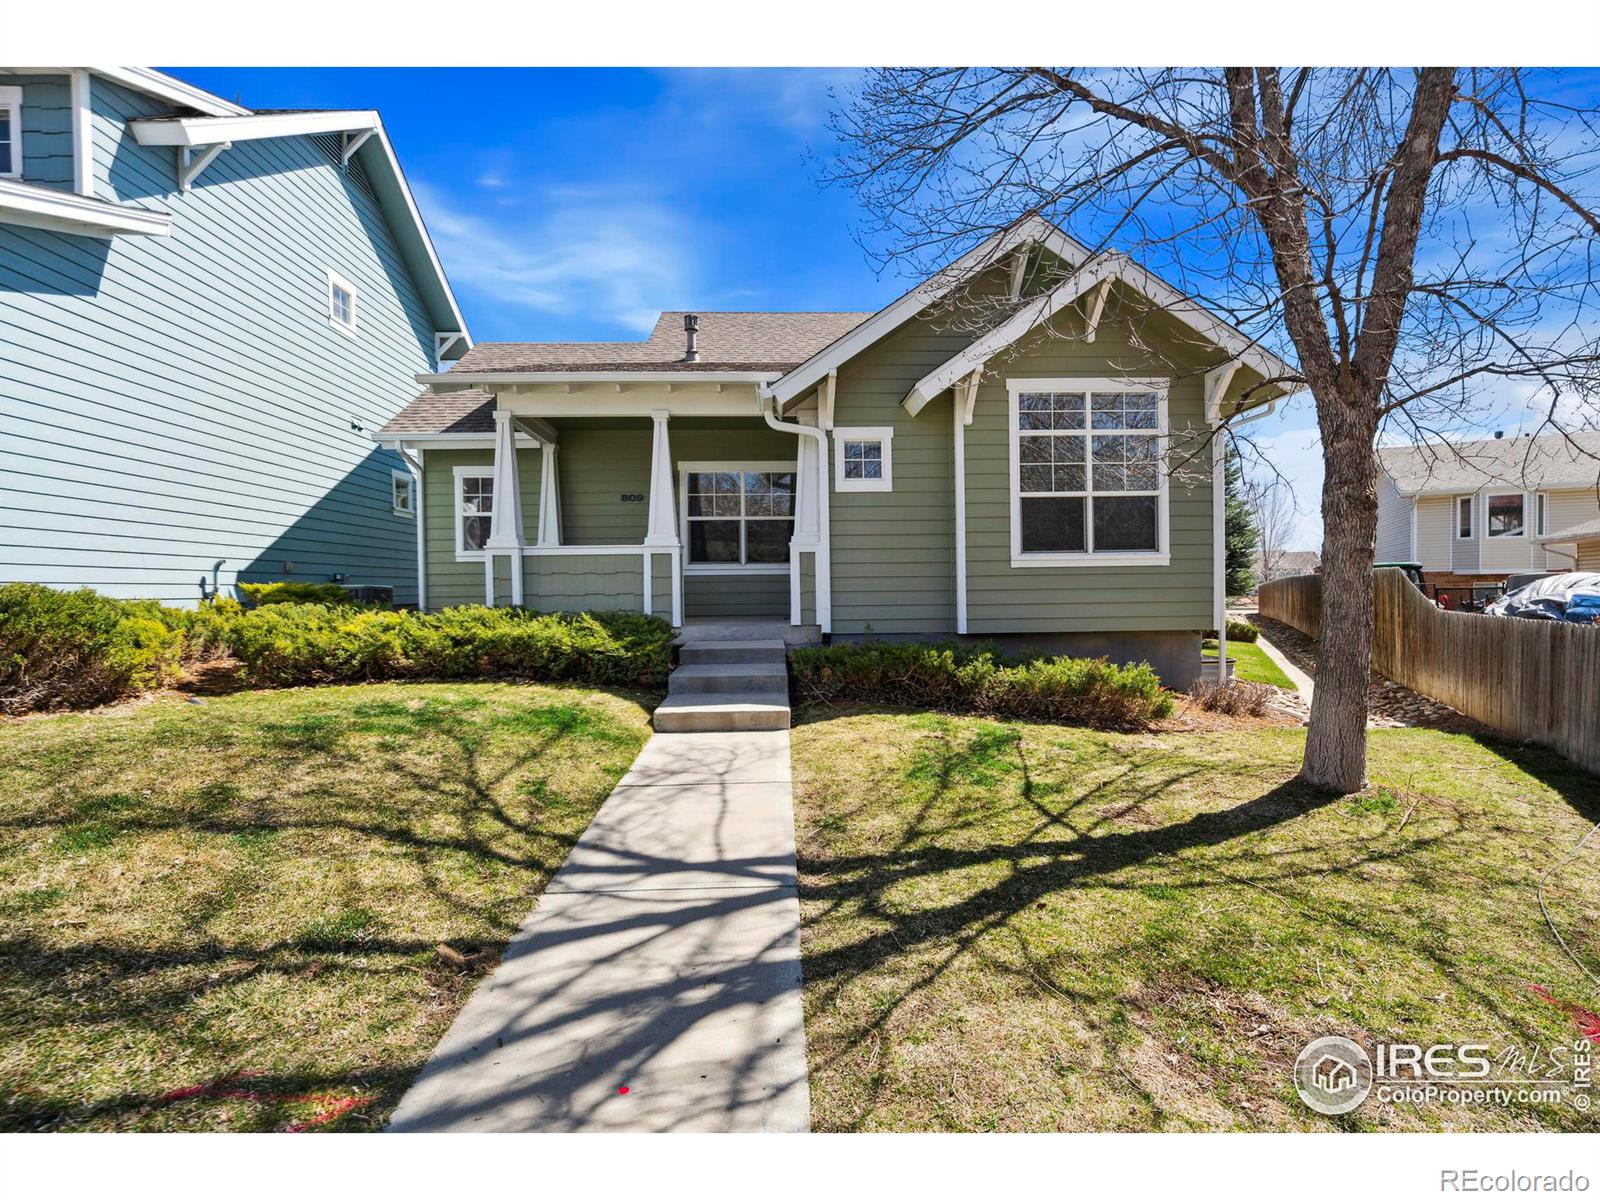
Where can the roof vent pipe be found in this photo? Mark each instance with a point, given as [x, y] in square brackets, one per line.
[691, 327]
[1498, 433]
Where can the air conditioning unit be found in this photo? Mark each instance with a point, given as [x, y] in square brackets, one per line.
[371, 593]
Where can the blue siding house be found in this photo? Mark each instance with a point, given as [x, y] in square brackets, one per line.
[205, 313]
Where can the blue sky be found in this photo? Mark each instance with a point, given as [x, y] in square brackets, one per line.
[574, 204]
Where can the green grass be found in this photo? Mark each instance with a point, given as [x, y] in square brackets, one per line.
[1251, 664]
[1017, 926]
[251, 891]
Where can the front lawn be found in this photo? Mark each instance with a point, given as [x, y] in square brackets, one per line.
[226, 915]
[1014, 926]
[1251, 664]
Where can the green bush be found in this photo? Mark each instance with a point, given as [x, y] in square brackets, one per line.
[293, 592]
[73, 649]
[1238, 631]
[1076, 691]
[285, 644]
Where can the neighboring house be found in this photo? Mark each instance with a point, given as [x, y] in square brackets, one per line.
[206, 312]
[859, 474]
[1284, 563]
[1476, 512]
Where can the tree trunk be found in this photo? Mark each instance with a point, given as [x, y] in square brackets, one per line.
[1336, 743]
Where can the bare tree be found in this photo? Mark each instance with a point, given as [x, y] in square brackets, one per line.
[1272, 508]
[1413, 238]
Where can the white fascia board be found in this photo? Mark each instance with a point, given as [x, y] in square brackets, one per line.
[208, 131]
[451, 441]
[166, 87]
[1038, 310]
[67, 212]
[987, 253]
[751, 377]
[381, 148]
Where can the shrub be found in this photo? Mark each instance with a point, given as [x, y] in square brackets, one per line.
[1238, 631]
[1079, 691]
[293, 592]
[72, 649]
[1234, 698]
[285, 644]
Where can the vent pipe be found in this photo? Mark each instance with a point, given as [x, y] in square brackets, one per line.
[691, 327]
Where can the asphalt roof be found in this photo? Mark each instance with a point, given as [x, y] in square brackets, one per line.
[1553, 461]
[727, 341]
[470, 410]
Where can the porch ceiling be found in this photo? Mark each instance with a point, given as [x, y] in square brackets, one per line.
[630, 399]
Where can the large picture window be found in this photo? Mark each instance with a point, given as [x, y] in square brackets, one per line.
[1506, 515]
[738, 517]
[1086, 475]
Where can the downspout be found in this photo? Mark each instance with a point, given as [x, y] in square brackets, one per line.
[767, 404]
[1219, 517]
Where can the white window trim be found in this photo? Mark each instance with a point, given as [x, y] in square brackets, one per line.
[337, 280]
[410, 480]
[482, 471]
[884, 436]
[11, 100]
[1527, 514]
[1161, 556]
[684, 470]
[1472, 518]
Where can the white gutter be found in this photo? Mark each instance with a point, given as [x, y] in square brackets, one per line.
[823, 581]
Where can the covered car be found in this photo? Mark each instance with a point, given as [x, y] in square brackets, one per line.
[1545, 599]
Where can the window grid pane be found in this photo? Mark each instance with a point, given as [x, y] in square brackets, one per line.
[740, 517]
[1108, 466]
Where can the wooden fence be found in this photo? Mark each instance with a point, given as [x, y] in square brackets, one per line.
[1538, 680]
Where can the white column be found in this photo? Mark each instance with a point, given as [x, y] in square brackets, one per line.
[505, 516]
[549, 496]
[807, 523]
[662, 529]
[959, 434]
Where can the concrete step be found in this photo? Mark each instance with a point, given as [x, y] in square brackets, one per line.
[696, 653]
[729, 677]
[701, 712]
[749, 631]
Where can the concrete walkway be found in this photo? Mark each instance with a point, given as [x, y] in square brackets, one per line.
[656, 986]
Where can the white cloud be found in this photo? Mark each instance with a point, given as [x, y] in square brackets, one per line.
[570, 253]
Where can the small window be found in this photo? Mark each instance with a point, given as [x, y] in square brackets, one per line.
[1541, 516]
[10, 132]
[474, 509]
[863, 459]
[341, 303]
[1505, 517]
[404, 487]
[1464, 517]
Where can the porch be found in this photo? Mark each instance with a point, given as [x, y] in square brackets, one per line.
[680, 502]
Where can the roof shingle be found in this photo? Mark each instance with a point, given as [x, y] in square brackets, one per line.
[728, 341]
[468, 411]
[1555, 461]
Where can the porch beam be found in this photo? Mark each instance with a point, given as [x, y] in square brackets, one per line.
[662, 529]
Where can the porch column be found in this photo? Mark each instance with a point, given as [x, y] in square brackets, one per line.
[505, 515]
[549, 496]
[807, 526]
[662, 529]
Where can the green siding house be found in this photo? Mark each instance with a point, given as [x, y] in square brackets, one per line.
[205, 313]
[1020, 449]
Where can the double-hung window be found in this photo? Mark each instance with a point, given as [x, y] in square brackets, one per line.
[1087, 484]
[341, 303]
[10, 132]
[403, 492]
[474, 509]
[738, 517]
[1463, 517]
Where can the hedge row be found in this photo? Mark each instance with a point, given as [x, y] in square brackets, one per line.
[76, 649]
[976, 679]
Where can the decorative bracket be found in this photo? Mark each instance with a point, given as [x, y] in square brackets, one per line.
[1094, 306]
[967, 397]
[351, 143]
[825, 399]
[1217, 381]
[190, 167]
[1019, 268]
